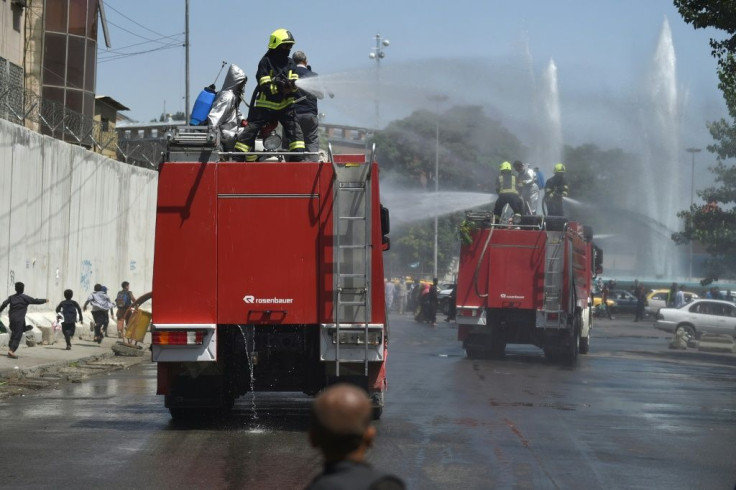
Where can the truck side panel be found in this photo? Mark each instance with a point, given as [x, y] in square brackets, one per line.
[185, 252]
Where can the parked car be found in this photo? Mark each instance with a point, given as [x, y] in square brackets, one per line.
[625, 301]
[443, 297]
[698, 317]
[657, 299]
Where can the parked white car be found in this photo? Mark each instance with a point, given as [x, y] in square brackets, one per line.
[698, 317]
[658, 299]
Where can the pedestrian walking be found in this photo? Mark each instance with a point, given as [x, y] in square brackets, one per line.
[402, 293]
[680, 297]
[432, 304]
[123, 300]
[69, 310]
[341, 430]
[18, 303]
[451, 307]
[604, 300]
[641, 302]
[101, 308]
[671, 295]
[389, 290]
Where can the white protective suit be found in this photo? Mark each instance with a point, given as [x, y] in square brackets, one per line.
[225, 113]
[528, 188]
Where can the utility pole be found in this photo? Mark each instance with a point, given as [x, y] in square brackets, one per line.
[377, 54]
[438, 99]
[186, 62]
[692, 151]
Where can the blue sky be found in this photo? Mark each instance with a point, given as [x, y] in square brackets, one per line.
[473, 51]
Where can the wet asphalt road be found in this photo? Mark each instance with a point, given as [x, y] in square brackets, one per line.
[631, 414]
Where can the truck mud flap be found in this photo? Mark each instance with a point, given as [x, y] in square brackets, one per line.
[201, 392]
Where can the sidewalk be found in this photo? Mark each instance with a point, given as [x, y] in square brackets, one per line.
[48, 359]
[40, 359]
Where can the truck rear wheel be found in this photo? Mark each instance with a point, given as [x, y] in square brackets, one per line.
[573, 347]
[584, 344]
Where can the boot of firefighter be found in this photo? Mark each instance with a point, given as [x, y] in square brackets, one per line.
[244, 148]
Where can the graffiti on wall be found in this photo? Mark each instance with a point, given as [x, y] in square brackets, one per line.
[85, 280]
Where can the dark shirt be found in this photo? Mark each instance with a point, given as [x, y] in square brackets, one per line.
[349, 475]
[19, 306]
[309, 104]
[556, 186]
[69, 310]
[275, 64]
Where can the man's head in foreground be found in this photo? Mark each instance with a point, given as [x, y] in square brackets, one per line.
[341, 423]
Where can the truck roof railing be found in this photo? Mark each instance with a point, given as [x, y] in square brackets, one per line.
[484, 219]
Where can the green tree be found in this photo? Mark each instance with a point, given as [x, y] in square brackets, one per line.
[714, 224]
[719, 15]
[471, 147]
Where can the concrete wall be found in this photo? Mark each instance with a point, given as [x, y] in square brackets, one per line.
[70, 218]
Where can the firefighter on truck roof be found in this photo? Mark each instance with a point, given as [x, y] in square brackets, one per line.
[507, 192]
[274, 96]
[555, 190]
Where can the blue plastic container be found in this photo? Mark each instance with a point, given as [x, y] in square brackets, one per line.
[202, 106]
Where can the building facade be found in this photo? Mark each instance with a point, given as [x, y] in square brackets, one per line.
[48, 65]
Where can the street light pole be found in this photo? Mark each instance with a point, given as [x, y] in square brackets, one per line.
[692, 151]
[377, 54]
[438, 99]
[186, 56]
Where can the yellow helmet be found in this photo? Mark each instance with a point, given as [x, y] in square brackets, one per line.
[559, 168]
[279, 37]
[504, 166]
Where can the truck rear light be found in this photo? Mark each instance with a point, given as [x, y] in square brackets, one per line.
[552, 316]
[357, 338]
[178, 337]
[468, 312]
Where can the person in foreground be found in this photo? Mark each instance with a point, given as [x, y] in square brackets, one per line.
[341, 429]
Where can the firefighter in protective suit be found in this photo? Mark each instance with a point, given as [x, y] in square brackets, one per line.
[507, 192]
[527, 182]
[274, 96]
[555, 189]
[225, 113]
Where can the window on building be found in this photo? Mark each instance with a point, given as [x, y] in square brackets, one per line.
[56, 16]
[54, 59]
[78, 17]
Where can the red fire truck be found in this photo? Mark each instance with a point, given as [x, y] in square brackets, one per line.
[268, 276]
[526, 283]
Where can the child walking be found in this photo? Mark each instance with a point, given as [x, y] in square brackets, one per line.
[70, 311]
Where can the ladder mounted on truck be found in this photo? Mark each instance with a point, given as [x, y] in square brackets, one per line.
[352, 226]
[553, 273]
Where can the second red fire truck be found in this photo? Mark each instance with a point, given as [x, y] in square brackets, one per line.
[526, 283]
